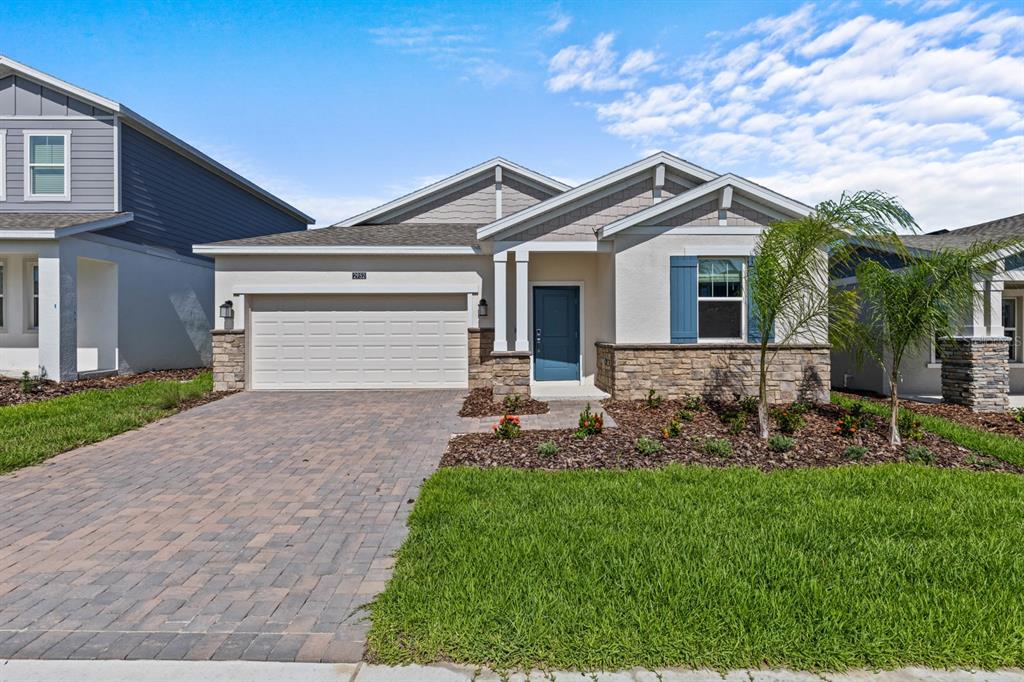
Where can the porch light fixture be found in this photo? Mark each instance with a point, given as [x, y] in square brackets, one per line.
[482, 307]
[227, 310]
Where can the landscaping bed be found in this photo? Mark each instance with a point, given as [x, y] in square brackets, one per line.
[815, 444]
[11, 392]
[481, 403]
[994, 422]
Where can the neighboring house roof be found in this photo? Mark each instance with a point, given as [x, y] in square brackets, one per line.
[54, 225]
[455, 237]
[993, 230]
[451, 183]
[9, 66]
[722, 183]
[580, 192]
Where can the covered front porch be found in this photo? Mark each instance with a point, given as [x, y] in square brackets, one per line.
[58, 312]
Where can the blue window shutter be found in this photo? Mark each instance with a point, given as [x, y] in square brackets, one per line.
[683, 297]
[753, 324]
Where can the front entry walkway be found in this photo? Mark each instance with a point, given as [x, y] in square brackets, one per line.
[250, 528]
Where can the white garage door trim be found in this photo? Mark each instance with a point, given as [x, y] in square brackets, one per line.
[351, 341]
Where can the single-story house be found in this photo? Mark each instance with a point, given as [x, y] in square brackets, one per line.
[99, 209]
[984, 365]
[502, 277]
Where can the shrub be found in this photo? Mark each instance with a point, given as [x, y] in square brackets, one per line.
[720, 447]
[748, 404]
[693, 403]
[919, 454]
[684, 416]
[653, 400]
[547, 449]
[591, 423]
[737, 423]
[859, 409]
[29, 383]
[855, 452]
[1018, 414]
[791, 419]
[910, 426]
[508, 427]
[648, 446]
[512, 403]
[674, 428]
[779, 443]
[847, 426]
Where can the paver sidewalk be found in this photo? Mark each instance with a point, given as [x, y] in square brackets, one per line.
[250, 528]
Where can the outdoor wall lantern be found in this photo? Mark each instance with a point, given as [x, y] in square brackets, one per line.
[227, 310]
[482, 308]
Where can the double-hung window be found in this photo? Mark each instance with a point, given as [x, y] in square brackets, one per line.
[720, 312]
[47, 165]
[3, 165]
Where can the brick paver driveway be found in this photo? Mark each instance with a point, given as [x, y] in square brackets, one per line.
[249, 528]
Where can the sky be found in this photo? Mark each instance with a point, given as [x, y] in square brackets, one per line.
[337, 107]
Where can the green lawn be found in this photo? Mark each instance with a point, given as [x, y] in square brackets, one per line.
[32, 432]
[877, 566]
[1002, 446]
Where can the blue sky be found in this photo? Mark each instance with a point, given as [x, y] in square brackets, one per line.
[340, 106]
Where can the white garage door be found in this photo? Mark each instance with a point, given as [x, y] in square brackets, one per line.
[354, 341]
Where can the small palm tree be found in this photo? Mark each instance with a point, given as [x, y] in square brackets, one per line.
[907, 308]
[789, 281]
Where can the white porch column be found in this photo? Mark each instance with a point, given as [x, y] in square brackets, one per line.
[500, 302]
[58, 314]
[994, 293]
[976, 325]
[522, 300]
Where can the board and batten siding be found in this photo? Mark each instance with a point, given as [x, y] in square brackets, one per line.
[178, 203]
[92, 147]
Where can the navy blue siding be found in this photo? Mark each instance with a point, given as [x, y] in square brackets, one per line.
[178, 203]
[683, 298]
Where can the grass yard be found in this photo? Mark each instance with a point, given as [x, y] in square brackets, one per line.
[1005, 447]
[33, 432]
[876, 566]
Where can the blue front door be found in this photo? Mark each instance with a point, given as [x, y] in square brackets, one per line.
[556, 333]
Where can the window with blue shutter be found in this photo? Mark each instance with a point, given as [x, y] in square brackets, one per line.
[683, 298]
[753, 324]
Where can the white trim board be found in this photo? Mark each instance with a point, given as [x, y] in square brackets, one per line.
[450, 183]
[226, 250]
[354, 289]
[584, 191]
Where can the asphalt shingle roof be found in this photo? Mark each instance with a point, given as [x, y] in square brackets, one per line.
[994, 230]
[49, 221]
[405, 234]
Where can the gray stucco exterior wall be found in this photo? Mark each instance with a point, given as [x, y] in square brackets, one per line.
[178, 203]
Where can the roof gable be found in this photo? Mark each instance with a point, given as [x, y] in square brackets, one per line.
[441, 192]
[591, 191]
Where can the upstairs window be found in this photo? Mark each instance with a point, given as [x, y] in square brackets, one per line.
[47, 166]
[720, 299]
[3, 165]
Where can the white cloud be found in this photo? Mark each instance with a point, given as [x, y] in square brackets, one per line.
[560, 22]
[640, 61]
[928, 106]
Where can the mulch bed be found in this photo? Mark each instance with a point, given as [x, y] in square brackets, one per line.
[480, 403]
[996, 422]
[816, 444]
[11, 393]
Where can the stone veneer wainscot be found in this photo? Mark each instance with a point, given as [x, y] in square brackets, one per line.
[722, 371]
[228, 359]
[976, 372]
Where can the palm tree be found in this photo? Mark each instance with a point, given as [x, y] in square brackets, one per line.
[789, 280]
[906, 308]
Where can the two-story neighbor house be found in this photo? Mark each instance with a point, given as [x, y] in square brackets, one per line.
[500, 276]
[99, 209]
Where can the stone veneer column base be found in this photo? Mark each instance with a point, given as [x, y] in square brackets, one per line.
[481, 366]
[228, 359]
[511, 373]
[718, 371]
[976, 372]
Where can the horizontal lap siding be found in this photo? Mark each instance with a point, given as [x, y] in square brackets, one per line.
[178, 203]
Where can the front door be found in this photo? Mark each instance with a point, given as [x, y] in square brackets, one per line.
[556, 333]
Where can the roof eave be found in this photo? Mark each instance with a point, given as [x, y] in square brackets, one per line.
[279, 250]
[70, 230]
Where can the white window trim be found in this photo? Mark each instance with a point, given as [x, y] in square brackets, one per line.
[4, 295]
[1017, 329]
[29, 196]
[3, 165]
[742, 338]
[29, 295]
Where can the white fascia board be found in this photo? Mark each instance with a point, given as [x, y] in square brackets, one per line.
[242, 289]
[149, 128]
[69, 231]
[675, 203]
[553, 246]
[596, 185]
[410, 200]
[225, 250]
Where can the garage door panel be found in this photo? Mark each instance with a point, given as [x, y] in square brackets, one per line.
[333, 342]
